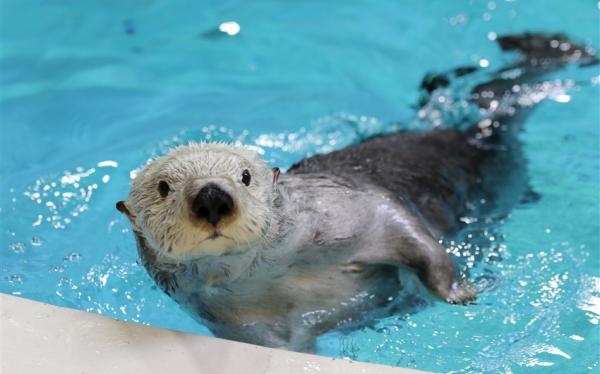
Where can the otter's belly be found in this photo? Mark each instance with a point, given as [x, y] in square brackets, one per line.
[319, 298]
[327, 297]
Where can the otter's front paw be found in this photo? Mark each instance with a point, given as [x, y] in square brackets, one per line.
[461, 293]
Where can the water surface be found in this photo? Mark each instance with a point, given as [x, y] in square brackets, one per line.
[90, 90]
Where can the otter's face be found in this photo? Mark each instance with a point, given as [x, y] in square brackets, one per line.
[202, 199]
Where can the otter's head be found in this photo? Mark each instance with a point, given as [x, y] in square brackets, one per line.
[202, 199]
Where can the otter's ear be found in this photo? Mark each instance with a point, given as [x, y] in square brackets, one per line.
[276, 173]
[121, 207]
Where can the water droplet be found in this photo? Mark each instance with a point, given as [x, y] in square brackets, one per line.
[37, 241]
[73, 257]
[108, 163]
[15, 279]
[57, 269]
[17, 247]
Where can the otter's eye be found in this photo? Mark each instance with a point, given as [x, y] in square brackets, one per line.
[163, 188]
[246, 177]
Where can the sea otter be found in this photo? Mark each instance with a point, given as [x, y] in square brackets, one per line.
[277, 259]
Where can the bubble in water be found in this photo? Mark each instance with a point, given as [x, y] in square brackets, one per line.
[17, 247]
[230, 28]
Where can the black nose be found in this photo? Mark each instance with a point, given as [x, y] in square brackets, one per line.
[212, 204]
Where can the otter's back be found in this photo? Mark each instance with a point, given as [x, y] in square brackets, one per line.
[433, 172]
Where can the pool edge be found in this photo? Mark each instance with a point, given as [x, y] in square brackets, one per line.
[35, 336]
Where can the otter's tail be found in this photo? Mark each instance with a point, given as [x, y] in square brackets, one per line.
[494, 98]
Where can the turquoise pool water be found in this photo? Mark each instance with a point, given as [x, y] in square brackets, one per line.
[90, 90]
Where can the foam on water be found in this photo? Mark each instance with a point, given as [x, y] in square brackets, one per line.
[88, 95]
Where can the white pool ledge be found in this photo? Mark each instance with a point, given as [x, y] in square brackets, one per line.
[37, 337]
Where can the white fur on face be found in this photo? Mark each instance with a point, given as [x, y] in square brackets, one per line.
[167, 223]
